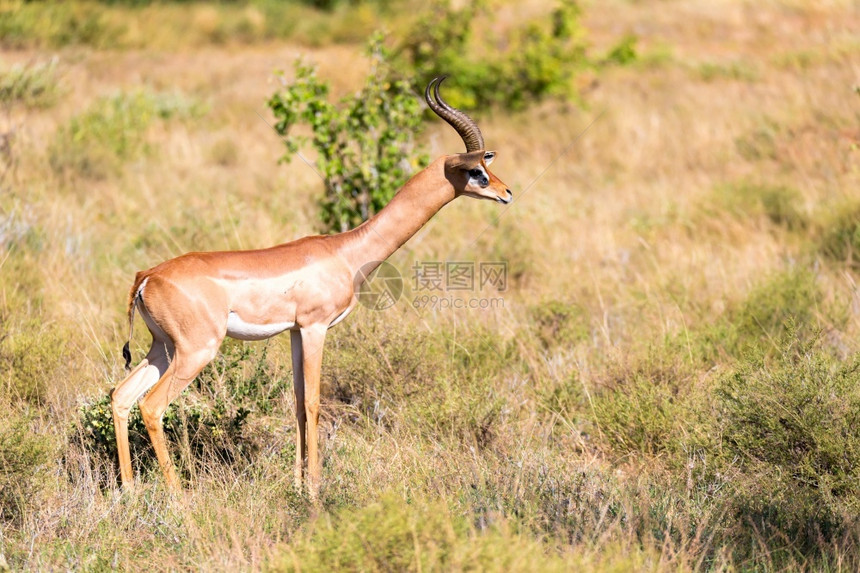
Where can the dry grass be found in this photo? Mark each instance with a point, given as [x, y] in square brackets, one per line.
[618, 214]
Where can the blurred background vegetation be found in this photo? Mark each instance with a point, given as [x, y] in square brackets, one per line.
[671, 383]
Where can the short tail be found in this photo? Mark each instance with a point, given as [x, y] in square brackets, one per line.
[133, 296]
[126, 353]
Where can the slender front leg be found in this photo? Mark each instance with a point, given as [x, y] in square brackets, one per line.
[301, 417]
[313, 339]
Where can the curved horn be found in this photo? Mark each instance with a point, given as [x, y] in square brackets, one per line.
[462, 123]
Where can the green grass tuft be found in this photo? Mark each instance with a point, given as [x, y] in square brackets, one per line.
[394, 534]
[33, 85]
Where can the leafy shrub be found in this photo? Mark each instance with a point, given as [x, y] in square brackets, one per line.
[540, 59]
[241, 374]
[792, 428]
[25, 457]
[211, 433]
[211, 424]
[364, 147]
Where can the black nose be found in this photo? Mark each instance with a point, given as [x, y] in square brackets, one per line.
[510, 195]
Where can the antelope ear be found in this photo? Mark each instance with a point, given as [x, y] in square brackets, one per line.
[465, 160]
[488, 157]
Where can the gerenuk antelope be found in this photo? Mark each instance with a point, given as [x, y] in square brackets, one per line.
[190, 303]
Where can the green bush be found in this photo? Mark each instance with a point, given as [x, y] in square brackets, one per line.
[792, 429]
[565, 398]
[211, 424]
[540, 59]
[365, 147]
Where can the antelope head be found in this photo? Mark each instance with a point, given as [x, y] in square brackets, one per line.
[468, 172]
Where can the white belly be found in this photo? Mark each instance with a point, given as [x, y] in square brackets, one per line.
[238, 328]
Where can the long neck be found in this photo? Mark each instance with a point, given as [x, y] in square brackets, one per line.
[413, 205]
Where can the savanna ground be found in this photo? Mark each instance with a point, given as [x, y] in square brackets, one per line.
[672, 381]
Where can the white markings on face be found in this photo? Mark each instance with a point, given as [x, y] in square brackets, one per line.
[238, 328]
[489, 156]
[478, 177]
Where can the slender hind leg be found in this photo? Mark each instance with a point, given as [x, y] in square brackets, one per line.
[123, 397]
[301, 417]
[182, 370]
